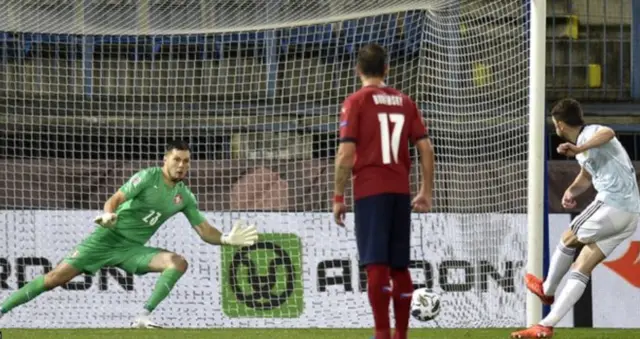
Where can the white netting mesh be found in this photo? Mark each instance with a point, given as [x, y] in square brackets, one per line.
[188, 16]
[92, 90]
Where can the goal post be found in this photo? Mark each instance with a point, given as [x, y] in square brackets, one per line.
[91, 91]
[537, 157]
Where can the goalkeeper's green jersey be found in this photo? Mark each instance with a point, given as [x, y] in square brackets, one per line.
[150, 202]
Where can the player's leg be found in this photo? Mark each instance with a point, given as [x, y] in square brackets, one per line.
[562, 258]
[373, 221]
[599, 235]
[83, 259]
[171, 267]
[590, 256]
[399, 257]
[59, 276]
[559, 265]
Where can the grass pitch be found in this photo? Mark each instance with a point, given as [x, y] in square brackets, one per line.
[298, 334]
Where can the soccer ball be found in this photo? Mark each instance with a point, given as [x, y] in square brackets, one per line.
[425, 304]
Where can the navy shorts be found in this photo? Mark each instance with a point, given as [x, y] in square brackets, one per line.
[383, 229]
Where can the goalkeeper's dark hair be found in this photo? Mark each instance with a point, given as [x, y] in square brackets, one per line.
[177, 144]
[568, 111]
[372, 60]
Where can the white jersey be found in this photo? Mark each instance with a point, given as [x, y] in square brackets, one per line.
[612, 173]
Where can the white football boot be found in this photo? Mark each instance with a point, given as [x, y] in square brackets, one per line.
[144, 322]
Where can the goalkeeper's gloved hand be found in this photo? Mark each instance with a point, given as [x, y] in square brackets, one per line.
[240, 235]
[107, 220]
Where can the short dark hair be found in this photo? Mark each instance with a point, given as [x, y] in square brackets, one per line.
[372, 59]
[568, 111]
[177, 144]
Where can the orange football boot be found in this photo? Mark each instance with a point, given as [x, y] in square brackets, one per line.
[534, 284]
[534, 332]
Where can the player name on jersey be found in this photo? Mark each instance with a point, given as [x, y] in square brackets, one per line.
[388, 100]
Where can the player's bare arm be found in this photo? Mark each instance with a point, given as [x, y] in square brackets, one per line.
[580, 184]
[343, 168]
[239, 235]
[422, 203]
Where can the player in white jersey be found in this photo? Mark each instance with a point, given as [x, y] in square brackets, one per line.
[609, 220]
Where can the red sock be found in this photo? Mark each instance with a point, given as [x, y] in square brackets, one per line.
[402, 290]
[378, 288]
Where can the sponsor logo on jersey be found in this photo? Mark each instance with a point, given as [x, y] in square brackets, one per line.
[343, 123]
[177, 199]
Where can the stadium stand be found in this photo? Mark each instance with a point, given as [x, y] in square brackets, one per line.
[287, 71]
[588, 48]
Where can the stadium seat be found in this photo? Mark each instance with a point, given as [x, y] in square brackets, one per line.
[412, 32]
[6, 37]
[239, 42]
[379, 29]
[31, 40]
[118, 39]
[135, 40]
[320, 35]
[8, 44]
[242, 38]
[198, 40]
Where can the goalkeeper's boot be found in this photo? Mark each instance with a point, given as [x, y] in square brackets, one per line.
[534, 284]
[537, 331]
[144, 322]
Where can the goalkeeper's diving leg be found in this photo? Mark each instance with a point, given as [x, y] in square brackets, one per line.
[171, 267]
[59, 276]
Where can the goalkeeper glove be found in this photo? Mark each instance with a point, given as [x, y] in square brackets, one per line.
[107, 220]
[240, 236]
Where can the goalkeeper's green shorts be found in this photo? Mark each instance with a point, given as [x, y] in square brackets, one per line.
[96, 252]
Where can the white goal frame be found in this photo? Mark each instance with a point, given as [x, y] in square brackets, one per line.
[536, 156]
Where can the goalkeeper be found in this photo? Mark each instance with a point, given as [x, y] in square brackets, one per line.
[131, 217]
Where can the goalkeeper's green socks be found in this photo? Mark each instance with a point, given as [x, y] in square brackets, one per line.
[165, 283]
[29, 291]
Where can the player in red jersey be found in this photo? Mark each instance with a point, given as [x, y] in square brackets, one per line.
[376, 125]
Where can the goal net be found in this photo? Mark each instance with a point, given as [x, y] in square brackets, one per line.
[91, 91]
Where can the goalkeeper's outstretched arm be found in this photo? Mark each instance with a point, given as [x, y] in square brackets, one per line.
[239, 235]
[109, 217]
[209, 234]
[111, 205]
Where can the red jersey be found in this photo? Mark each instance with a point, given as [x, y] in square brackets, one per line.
[381, 121]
